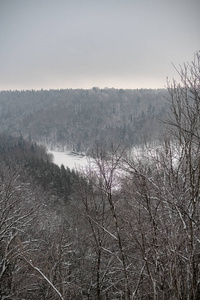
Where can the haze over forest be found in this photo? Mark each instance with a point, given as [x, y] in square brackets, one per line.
[75, 120]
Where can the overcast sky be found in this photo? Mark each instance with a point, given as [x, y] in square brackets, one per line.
[53, 44]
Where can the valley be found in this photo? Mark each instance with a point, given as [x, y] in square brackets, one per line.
[118, 222]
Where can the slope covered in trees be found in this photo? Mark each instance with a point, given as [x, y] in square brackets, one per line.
[75, 119]
[34, 160]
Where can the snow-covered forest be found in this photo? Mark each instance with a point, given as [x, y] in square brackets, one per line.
[127, 226]
[76, 119]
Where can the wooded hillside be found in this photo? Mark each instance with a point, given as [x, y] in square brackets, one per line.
[76, 119]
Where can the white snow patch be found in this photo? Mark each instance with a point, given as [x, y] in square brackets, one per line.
[70, 160]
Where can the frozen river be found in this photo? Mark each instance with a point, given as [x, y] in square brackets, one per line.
[70, 160]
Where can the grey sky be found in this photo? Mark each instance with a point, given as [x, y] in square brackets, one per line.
[54, 44]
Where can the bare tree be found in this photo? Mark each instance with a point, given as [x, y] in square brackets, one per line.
[16, 216]
[185, 103]
[163, 192]
[27, 227]
[101, 210]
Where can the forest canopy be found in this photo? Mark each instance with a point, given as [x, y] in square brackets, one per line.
[76, 119]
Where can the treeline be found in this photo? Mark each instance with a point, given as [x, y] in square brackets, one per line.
[75, 119]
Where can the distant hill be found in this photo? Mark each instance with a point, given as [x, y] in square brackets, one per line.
[75, 119]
